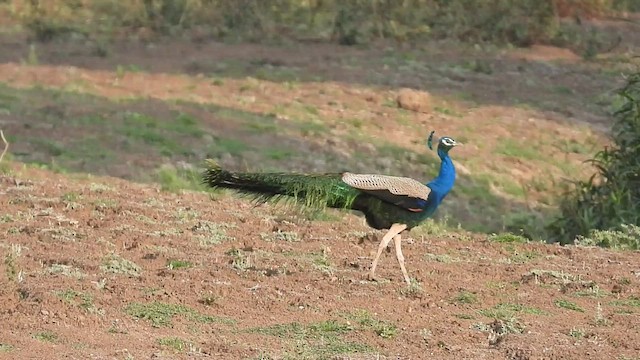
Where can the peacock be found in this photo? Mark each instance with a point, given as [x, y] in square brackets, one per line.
[387, 202]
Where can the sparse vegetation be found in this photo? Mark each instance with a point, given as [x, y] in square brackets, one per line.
[566, 304]
[179, 264]
[316, 340]
[627, 238]
[116, 264]
[10, 263]
[384, 329]
[46, 336]
[173, 343]
[465, 297]
[160, 314]
[507, 311]
[507, 238]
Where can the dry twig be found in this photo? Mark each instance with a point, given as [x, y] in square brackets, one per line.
[6, 145]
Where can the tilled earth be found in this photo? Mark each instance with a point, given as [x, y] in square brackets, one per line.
[101, 268]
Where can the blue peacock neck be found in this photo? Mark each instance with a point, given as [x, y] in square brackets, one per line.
[443, 183]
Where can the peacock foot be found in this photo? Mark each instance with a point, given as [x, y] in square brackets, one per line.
[372, 277]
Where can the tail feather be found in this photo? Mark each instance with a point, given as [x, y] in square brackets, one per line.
[314, 190]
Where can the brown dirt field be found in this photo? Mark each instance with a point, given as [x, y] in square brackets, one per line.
[60, 301]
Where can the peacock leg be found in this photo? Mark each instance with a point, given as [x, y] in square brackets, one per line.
[394, 230]
[398, 242]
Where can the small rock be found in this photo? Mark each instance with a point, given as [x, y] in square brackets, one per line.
[414, 100]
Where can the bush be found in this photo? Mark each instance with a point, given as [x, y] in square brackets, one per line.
[628, 238]
[611, 197]
[519, 22]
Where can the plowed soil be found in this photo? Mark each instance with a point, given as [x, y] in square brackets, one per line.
[100, 268]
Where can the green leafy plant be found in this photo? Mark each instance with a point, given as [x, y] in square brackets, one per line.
[611, 197]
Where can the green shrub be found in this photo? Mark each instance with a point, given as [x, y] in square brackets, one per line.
[628, 238]
[611, 197]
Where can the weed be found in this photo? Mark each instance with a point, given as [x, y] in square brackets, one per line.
[115, 264]
[209, 300]
[382, 328]
[322, 262]
[506, 311]
[279, 235]
[465, 316]
[212, 233]
[442, 258]
[465, 297]
[566, 304]
[46, 336]
[431, 227]
[599, 318]
[174, 343]
[103, 205]
[627, 238]
[576, 333]
[6, 347]
[100, 188]
[413, 290]
[239, 260]
[632, 301]
[80, 299]
[507, 238]
[179, 264]
[320, 340]
[593, 292]
[160, 314]
[10, 262]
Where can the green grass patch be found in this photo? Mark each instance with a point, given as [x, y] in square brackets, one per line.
[506, 311]
[569, 305]
[174, 343]
[79, 299]
[174, 180]
[320, 340]
[465, 297]
[507, 238]
[179, 264]
[382, 328]
[6, 347]
[516, 149]
[321, 261]
[143, 128]
[278, 153]
[632, 301]
[160, 314]
[228, 146]
[46, 336]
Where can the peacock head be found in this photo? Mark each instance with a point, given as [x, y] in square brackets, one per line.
[445, 143]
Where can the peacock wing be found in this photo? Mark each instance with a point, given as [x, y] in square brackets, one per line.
[401, 191]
